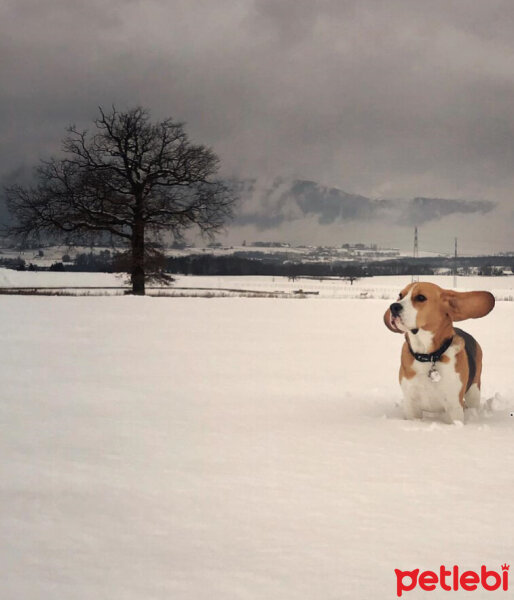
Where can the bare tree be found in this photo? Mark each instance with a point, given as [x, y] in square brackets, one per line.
[131, 179]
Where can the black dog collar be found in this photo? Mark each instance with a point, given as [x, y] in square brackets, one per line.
[434, 356]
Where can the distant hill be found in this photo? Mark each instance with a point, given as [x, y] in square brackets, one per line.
[285, 201]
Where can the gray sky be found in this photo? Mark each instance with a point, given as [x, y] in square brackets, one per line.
[391, 99]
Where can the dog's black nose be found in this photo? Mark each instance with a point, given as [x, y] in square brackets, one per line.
[396, 308]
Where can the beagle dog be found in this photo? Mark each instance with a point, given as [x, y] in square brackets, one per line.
[440, 365]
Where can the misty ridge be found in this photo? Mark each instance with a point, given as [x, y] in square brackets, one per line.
[290, 200]
[268, 206]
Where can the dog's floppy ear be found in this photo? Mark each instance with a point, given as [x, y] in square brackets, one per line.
[467, 305]
[389, 324]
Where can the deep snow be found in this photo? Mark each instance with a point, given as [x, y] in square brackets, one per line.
[237, 448]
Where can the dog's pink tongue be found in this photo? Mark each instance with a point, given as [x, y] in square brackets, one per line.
[393, 323]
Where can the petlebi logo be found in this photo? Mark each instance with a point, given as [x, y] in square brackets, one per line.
[453, 579]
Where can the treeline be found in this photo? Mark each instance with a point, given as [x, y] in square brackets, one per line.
[211, 264]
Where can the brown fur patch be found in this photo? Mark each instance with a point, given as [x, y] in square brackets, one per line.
[461, 367]
[407, 360]
[478, 361]
[467, 305]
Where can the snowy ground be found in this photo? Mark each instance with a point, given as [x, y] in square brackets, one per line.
[236, 448]
[367, 287]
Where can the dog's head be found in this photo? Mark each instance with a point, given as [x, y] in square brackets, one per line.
[427, 306]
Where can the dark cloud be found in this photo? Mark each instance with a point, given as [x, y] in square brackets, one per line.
[20, 175]
[396, 99]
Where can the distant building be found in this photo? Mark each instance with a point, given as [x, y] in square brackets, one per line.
[271, 244]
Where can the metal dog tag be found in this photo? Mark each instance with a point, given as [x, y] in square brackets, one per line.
[434, 374]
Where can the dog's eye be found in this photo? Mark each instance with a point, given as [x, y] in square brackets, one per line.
[420, 298]
[400, 296]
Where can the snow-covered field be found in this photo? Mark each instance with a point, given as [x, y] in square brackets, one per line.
[237, 448]
[368, 287]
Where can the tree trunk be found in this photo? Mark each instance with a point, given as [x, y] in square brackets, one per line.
[138, 257]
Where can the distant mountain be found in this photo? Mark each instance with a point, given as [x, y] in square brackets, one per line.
[421, 210]
[285, 201]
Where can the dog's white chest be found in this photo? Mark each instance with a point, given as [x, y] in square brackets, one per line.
[434, 386]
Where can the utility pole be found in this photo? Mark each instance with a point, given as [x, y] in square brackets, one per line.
[455, 266]
[415, 253]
